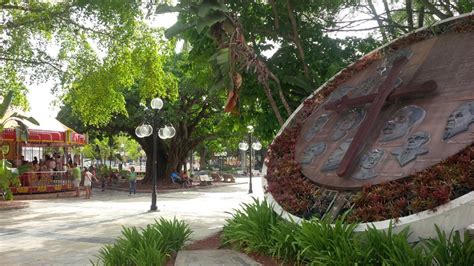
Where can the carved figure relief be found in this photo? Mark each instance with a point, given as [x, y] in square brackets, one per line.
[459, 120]
[318, 126]
[401, 122]
[336, 157]
[312, 152]
[349, 120]
[367, 164]
[413, 148]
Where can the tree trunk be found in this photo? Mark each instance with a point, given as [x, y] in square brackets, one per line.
[297, 41]
[202, 159]
[409, 10]
[272, 102]
[379, 21]
[391, 28]
[421, 16]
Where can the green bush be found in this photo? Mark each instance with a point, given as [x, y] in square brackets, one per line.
[451, 250]
[257, 228]
[8, 178]
[324, 243]
[249, 229]
[283, 242]
[152, 246]
[387, 248]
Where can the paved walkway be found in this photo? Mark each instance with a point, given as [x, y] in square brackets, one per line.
[72, 230]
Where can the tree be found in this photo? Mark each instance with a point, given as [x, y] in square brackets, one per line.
[195, 112]
[397, 17]
[57, 40]
[305, 57]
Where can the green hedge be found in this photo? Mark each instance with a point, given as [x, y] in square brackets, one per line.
[256, 228]
[152, 245]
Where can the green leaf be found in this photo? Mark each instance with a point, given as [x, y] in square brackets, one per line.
[5, 104]
[176, 29]
[209, 20]
[207, 7]
[165, 8]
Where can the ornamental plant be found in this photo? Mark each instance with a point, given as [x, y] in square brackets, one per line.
[152, 245]
[250, 229]
[256, 228]
[7, 178]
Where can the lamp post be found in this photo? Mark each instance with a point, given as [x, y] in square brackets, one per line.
[256, 146]
[165, 132]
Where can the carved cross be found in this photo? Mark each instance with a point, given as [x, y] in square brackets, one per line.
[385, 93]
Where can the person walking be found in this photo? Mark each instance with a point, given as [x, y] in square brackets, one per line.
[133, 181]
[88, 176]
[76, 178]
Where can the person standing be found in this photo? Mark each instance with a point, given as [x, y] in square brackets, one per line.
[76, 178]
[133, 181]
[88, 176]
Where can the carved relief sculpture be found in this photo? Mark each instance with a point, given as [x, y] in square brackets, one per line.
[318, 126]
[349, 120]
[459, 120]
[336, 157]
[401, 122]
[413, 148]
[367, 164]
[312, 152]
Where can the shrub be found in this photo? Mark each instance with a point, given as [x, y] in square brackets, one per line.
[387, 248]
[283, 240]
[249, 229]
[152, 246]
[321, 242]
[451, 250]
[8, 178]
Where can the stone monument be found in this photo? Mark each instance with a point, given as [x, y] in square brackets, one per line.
[389, 119]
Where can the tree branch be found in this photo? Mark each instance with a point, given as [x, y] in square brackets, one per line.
[32, 62]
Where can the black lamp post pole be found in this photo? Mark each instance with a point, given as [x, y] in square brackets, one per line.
[250, 163]
[153, 193]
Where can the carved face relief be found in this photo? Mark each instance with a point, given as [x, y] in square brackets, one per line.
[459, 120]
[318, 126]
[412, 148]
[312, 152]
[401, 122]
[367, 163]
[349, 120]
[336, 157]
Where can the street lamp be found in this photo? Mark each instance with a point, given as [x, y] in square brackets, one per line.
[165, 132]
[256, 146]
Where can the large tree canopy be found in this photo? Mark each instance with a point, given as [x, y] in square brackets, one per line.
[58, 40]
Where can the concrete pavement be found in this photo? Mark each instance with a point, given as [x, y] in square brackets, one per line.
[72, 230]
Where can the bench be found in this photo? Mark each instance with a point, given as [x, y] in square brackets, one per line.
[204, 180]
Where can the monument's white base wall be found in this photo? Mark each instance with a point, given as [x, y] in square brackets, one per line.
[454, 215]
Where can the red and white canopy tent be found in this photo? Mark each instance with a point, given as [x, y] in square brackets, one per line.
[49, 133]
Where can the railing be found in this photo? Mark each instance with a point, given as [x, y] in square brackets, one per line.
[44, 181]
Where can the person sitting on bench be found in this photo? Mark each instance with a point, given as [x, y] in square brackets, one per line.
[175, 178]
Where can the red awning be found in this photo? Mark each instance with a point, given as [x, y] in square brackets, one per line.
[38, 136]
